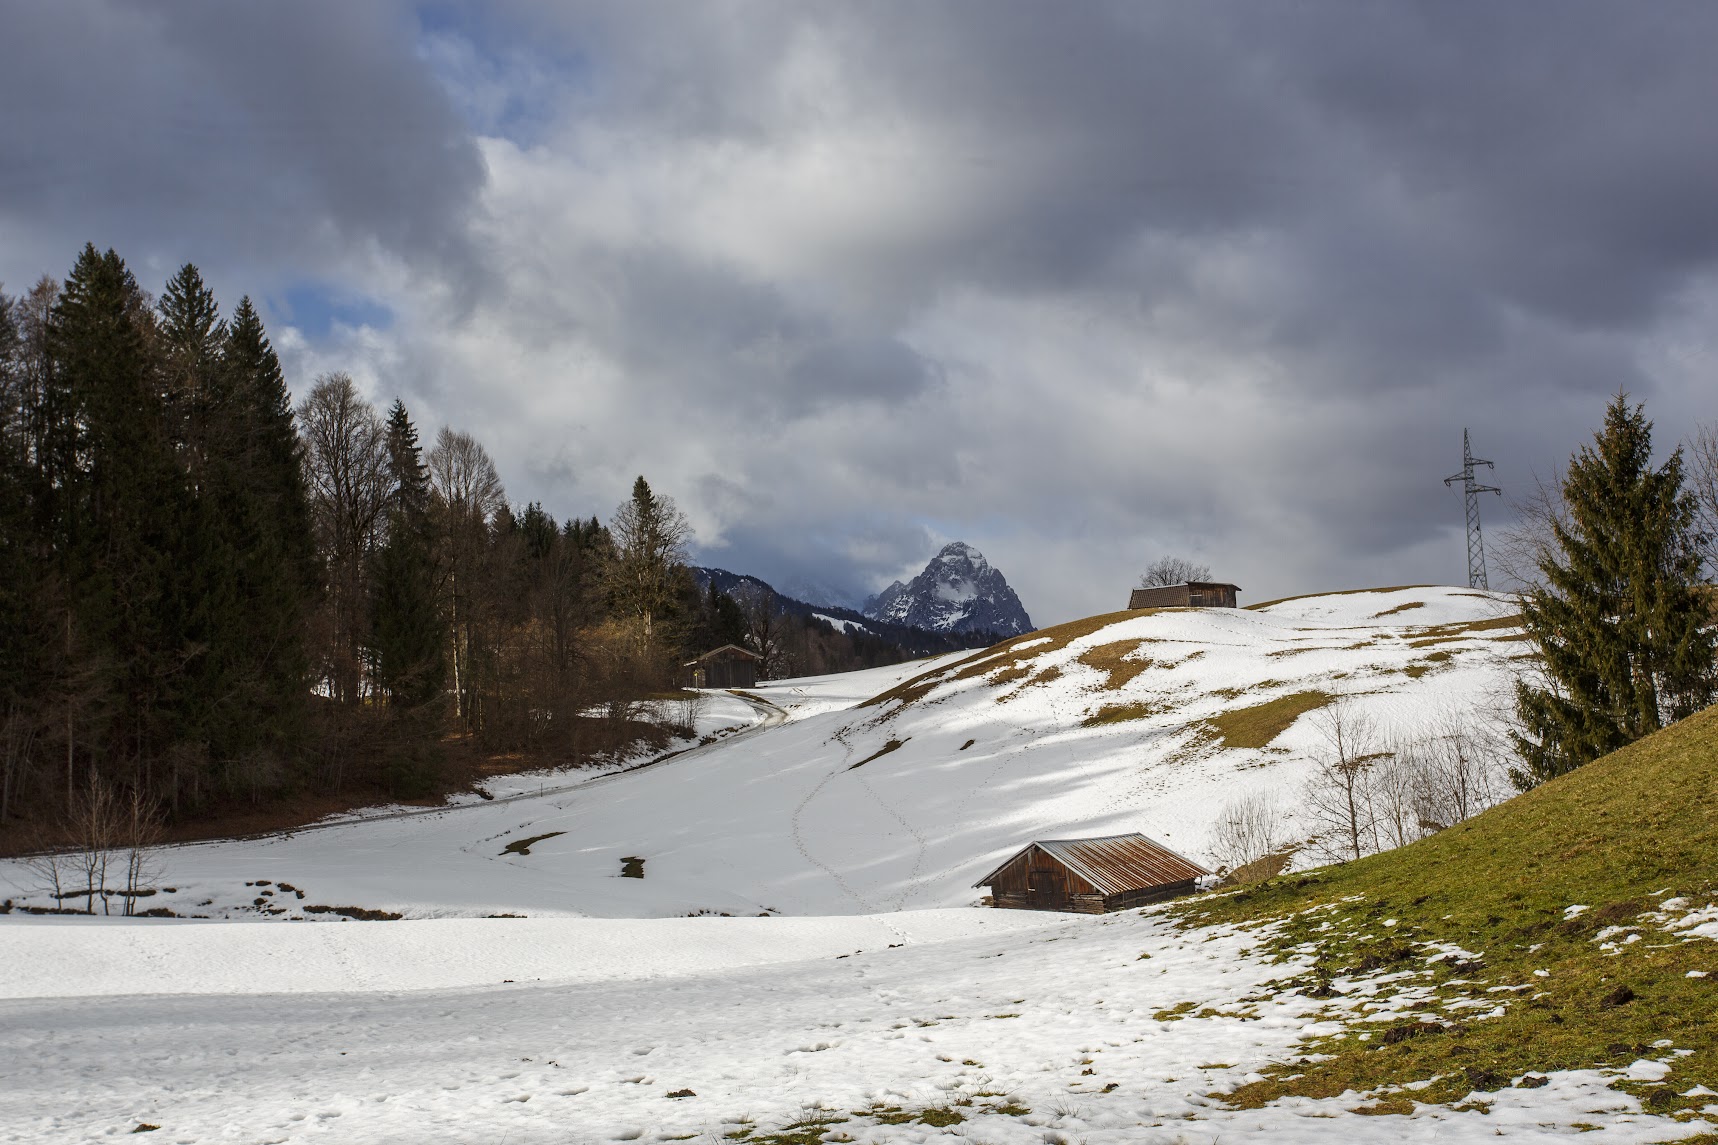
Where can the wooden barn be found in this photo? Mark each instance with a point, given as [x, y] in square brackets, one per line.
[729, 666]
[1091, 876]
[1194, 594]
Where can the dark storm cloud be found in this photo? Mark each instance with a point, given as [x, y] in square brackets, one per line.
[1080, 285]
[235, 133]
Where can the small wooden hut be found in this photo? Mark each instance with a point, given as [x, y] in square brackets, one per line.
[1193, 594]
[729, 666]
[1091, 876]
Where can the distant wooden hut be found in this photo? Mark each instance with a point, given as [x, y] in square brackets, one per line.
[1194, 594]
[1091, 876]
[729, 666]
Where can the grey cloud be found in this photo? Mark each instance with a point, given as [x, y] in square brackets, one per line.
[267, 137]
[1079, 285]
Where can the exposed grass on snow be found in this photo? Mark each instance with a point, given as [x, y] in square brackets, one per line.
[1008, 656]
[1119, 661]
[1121, 713]
[523, 846]
[1444, 633]
[1339, 592]
[1256, 726]
[1521, 983]
[892, 745]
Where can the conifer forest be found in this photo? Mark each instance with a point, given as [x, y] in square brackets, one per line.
[215, 594]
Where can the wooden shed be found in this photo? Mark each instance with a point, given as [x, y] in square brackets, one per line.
[1193, 594]
[729, 666]
[1091, 876]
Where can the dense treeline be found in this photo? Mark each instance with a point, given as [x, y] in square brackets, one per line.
[209, 594]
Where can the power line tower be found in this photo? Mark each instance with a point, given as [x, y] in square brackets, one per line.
[1476, 577]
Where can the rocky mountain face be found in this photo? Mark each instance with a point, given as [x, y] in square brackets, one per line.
[959, 591]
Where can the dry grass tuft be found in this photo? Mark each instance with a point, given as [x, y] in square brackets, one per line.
[1121, 713]
[1007, 656]
[1118, 661]
[1258, 725]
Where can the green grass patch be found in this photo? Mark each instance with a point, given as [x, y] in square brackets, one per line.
[1621, 836]
[1256, 726]
[892, 745]
[523, 846]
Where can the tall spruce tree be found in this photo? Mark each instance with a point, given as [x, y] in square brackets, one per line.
[408, 635]
[208, 699]
[1619, 625]
[281, 574]
[120, 512]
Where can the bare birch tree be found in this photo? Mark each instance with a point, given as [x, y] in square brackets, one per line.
[467, 495]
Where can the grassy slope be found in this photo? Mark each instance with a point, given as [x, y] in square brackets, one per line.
[1616, 836]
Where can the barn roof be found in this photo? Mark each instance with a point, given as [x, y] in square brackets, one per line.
[724, 650]
[1113, 863]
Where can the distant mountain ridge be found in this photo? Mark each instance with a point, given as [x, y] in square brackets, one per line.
[958, 591]
[912, 641]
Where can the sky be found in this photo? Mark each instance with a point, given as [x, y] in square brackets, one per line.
[1080, 285]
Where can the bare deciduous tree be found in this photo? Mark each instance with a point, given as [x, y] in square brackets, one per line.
[765, 630]
[1173, 570]
[96, 825]
[1459, 771]
[1249, 828]
[467, 495]
[1337, 798]
[1703, 483]
[140, 834]
[346, 467]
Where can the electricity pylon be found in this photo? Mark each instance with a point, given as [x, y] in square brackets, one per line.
[1476, 577]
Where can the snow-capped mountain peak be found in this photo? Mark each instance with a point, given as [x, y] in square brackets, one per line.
[959, 591]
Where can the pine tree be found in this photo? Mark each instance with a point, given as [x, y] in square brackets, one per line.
[408, 636]
[1618, 621]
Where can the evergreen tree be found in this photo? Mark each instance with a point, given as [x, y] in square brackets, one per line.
[408, 636]
[192, 336]
[208, 699]
[645, 576]
[1618, 622]
[278, 572]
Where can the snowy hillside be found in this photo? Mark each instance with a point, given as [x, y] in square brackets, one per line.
[958, 591]
[848, 798]
[894, 789]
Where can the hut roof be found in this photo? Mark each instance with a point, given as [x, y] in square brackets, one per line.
[726, 649]
[1113, 863]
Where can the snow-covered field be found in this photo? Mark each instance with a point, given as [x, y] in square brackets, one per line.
[787, 817]
[868, 995]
